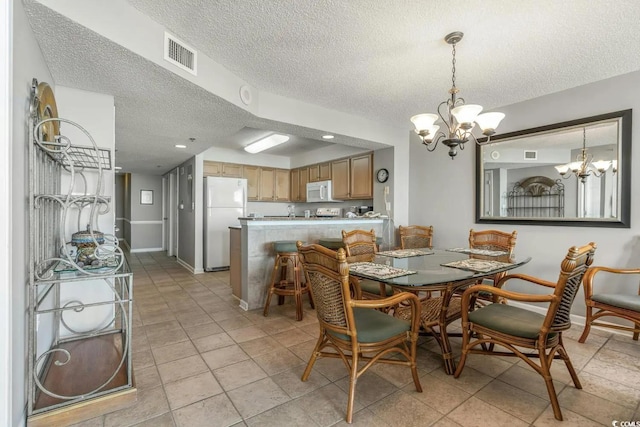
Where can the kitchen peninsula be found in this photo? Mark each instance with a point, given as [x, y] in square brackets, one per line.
[258, 235]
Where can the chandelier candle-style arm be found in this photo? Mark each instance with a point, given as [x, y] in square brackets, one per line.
[459, 118]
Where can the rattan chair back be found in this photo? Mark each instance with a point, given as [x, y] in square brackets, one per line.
[493, 240]
[360, 245]
[416, 236]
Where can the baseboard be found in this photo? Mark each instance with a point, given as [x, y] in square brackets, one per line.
[124, 243]
[133, 251]
[244, 305]
[185, 265]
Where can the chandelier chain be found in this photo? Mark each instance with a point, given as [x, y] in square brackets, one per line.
[453, 67]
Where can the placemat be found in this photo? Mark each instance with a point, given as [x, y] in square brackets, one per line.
[405, 253]
[486, 252]
[377, 271]
[477, 265]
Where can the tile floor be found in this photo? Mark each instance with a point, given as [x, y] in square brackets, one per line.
[199, 360]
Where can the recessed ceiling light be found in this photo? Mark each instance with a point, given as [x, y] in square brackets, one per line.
[266, 143]
[327, 136]
[181, 146]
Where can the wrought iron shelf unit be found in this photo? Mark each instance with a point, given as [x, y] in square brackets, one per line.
[80, 316]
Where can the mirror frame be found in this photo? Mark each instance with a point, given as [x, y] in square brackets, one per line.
[624, 160]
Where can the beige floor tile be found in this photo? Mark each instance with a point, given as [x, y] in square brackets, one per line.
[194, 320]
[398, 375]
[239, 374]
[142, 359]
[438, 394]
[525, 378]
[260, 346]
[173, 352]
[401, 409]
[628, 376]
[370, 388]
[469, 414]
[246, 333]
[278, 361]
[276, 325]
[257, 397]
[229, 319]
[290, 381]
[201, 331]
[287, 414]
[167, 338]
[326, 405]
[216, 411]
[569, 419]
[304, 349]
[192, 389]
[292, 337]
[446, 422]
[225, 356]
[147, 378]
[333, 369]
[610, 390]
[151, 403]
[513, 400]
[364, 418]
[164, 420]
[212, 342]
[593, 407]
[181, 368]
[469, 380]
[490, 365]
[93, 422]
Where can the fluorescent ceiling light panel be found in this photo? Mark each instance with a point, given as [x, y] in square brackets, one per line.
[181, 146]
[327, 136]
[266, 143]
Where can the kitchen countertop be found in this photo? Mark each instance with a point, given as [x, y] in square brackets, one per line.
[302, 218]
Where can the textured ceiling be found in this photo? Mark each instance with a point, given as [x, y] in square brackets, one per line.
[384, 60]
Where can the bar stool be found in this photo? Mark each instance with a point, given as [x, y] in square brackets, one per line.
[333, 243]
[286, 258]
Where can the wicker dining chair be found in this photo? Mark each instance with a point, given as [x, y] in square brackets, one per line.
[353, 330]
[360, 246]
[517, 329]
[493, 240]
[610, 304]
[416, 236]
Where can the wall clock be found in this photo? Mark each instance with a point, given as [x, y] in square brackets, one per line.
[382, 175]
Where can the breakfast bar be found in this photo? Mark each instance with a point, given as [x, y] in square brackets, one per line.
[257, 254]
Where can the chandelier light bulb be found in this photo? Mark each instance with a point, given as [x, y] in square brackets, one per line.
[601, 165]
[466, 115]
[423, 121]
[488, 122]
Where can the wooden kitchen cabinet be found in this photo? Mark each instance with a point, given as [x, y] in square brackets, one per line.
[340, 179]
[267, 184]
[361, 177]
[230, 170]
[320, 172]
[282, 185]
[252, 174]
[353, 177]
[299, 179]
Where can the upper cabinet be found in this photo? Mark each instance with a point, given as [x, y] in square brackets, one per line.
[320, 172]
[352, 177]
[252, 174]
[230, 170]
[299, 179]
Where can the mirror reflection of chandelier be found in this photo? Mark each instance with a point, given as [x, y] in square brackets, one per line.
[584, 166]
[458, 117]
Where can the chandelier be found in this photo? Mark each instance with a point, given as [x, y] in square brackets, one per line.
[459, 118]
[584, 165]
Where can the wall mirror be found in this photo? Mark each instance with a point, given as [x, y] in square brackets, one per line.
[575, 173]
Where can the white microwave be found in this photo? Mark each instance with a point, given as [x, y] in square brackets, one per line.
[320, 191]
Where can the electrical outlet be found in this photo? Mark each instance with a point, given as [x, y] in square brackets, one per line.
[388, 206]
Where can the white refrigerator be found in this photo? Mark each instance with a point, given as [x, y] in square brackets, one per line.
[225, 200]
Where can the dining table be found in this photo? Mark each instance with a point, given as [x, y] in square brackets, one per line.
[438, 276]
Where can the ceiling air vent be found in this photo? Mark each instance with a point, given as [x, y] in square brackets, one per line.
[530, 155]
[180, 54]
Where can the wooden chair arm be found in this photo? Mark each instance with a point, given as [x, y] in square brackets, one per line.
[354, 284]
[589, 277]
[473, 291]
[526, 278]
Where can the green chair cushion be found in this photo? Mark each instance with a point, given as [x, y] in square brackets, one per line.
[374, 326]
[629, 302]
[373, 287]
[285, 246]
[509, 320]
[334, 243]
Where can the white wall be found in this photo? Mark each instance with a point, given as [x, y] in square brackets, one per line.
[442, 191]
[28, 63]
